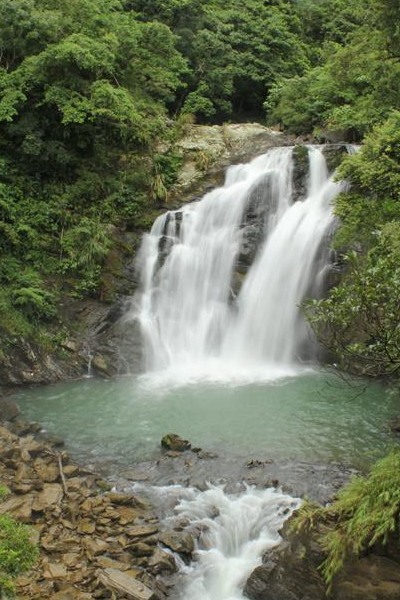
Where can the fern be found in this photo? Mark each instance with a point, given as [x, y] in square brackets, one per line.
[365, 512]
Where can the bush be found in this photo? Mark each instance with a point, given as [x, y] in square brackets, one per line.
[17, 553]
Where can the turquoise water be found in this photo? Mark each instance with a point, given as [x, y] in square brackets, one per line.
[314, 416]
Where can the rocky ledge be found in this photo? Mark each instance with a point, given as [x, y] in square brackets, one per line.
[93, 542]
[208, 150]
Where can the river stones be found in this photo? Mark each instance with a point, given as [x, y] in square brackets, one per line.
[82, 531]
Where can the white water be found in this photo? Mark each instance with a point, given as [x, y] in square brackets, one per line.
[191, 327]
[233, 532]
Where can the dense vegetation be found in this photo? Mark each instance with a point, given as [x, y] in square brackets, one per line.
[90, 88]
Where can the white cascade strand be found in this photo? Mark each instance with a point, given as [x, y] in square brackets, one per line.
[235, 531]
[269, 325]
[188, 319]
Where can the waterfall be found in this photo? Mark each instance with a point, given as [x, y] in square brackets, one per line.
[199, 309]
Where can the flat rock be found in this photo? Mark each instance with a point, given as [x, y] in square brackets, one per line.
[86, 526]
[121, 498]
[50, 496]
[124, 584]
[55, 571]
[127, 514]
[94, 546]
[5, 434]
[18, 507]
[71, 594]
[139, 531]
[141, 549]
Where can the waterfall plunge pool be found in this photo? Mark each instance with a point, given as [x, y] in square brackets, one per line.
[312, 416]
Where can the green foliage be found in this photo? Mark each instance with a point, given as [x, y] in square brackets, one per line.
[354, 84]
[165, 170]
[328, 21]
[359, 321]
[4, 492]
[84, 90]
[374, 175]
[17, 553]
[231, 48]
[365, 512]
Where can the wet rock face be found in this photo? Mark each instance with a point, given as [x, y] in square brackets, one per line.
[300, 172]
[334, 154]
[255, 217]
[25, 362]
[285, 575]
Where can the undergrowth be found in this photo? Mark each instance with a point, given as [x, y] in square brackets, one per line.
[366, 511]
[17, 552]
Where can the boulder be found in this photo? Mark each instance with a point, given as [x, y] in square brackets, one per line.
[334, 154]
[291, 571]
[285, 575]
[370, 578]
[174, 442]
[48, 472]
[179, 542]
[162, 562]
[8, 410]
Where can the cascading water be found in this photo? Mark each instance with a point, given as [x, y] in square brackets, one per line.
[233, 531]
[190, 314]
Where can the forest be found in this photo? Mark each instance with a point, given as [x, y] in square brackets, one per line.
[89, 89]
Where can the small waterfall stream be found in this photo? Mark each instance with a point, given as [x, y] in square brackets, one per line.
[233, 532]
[192, 319]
